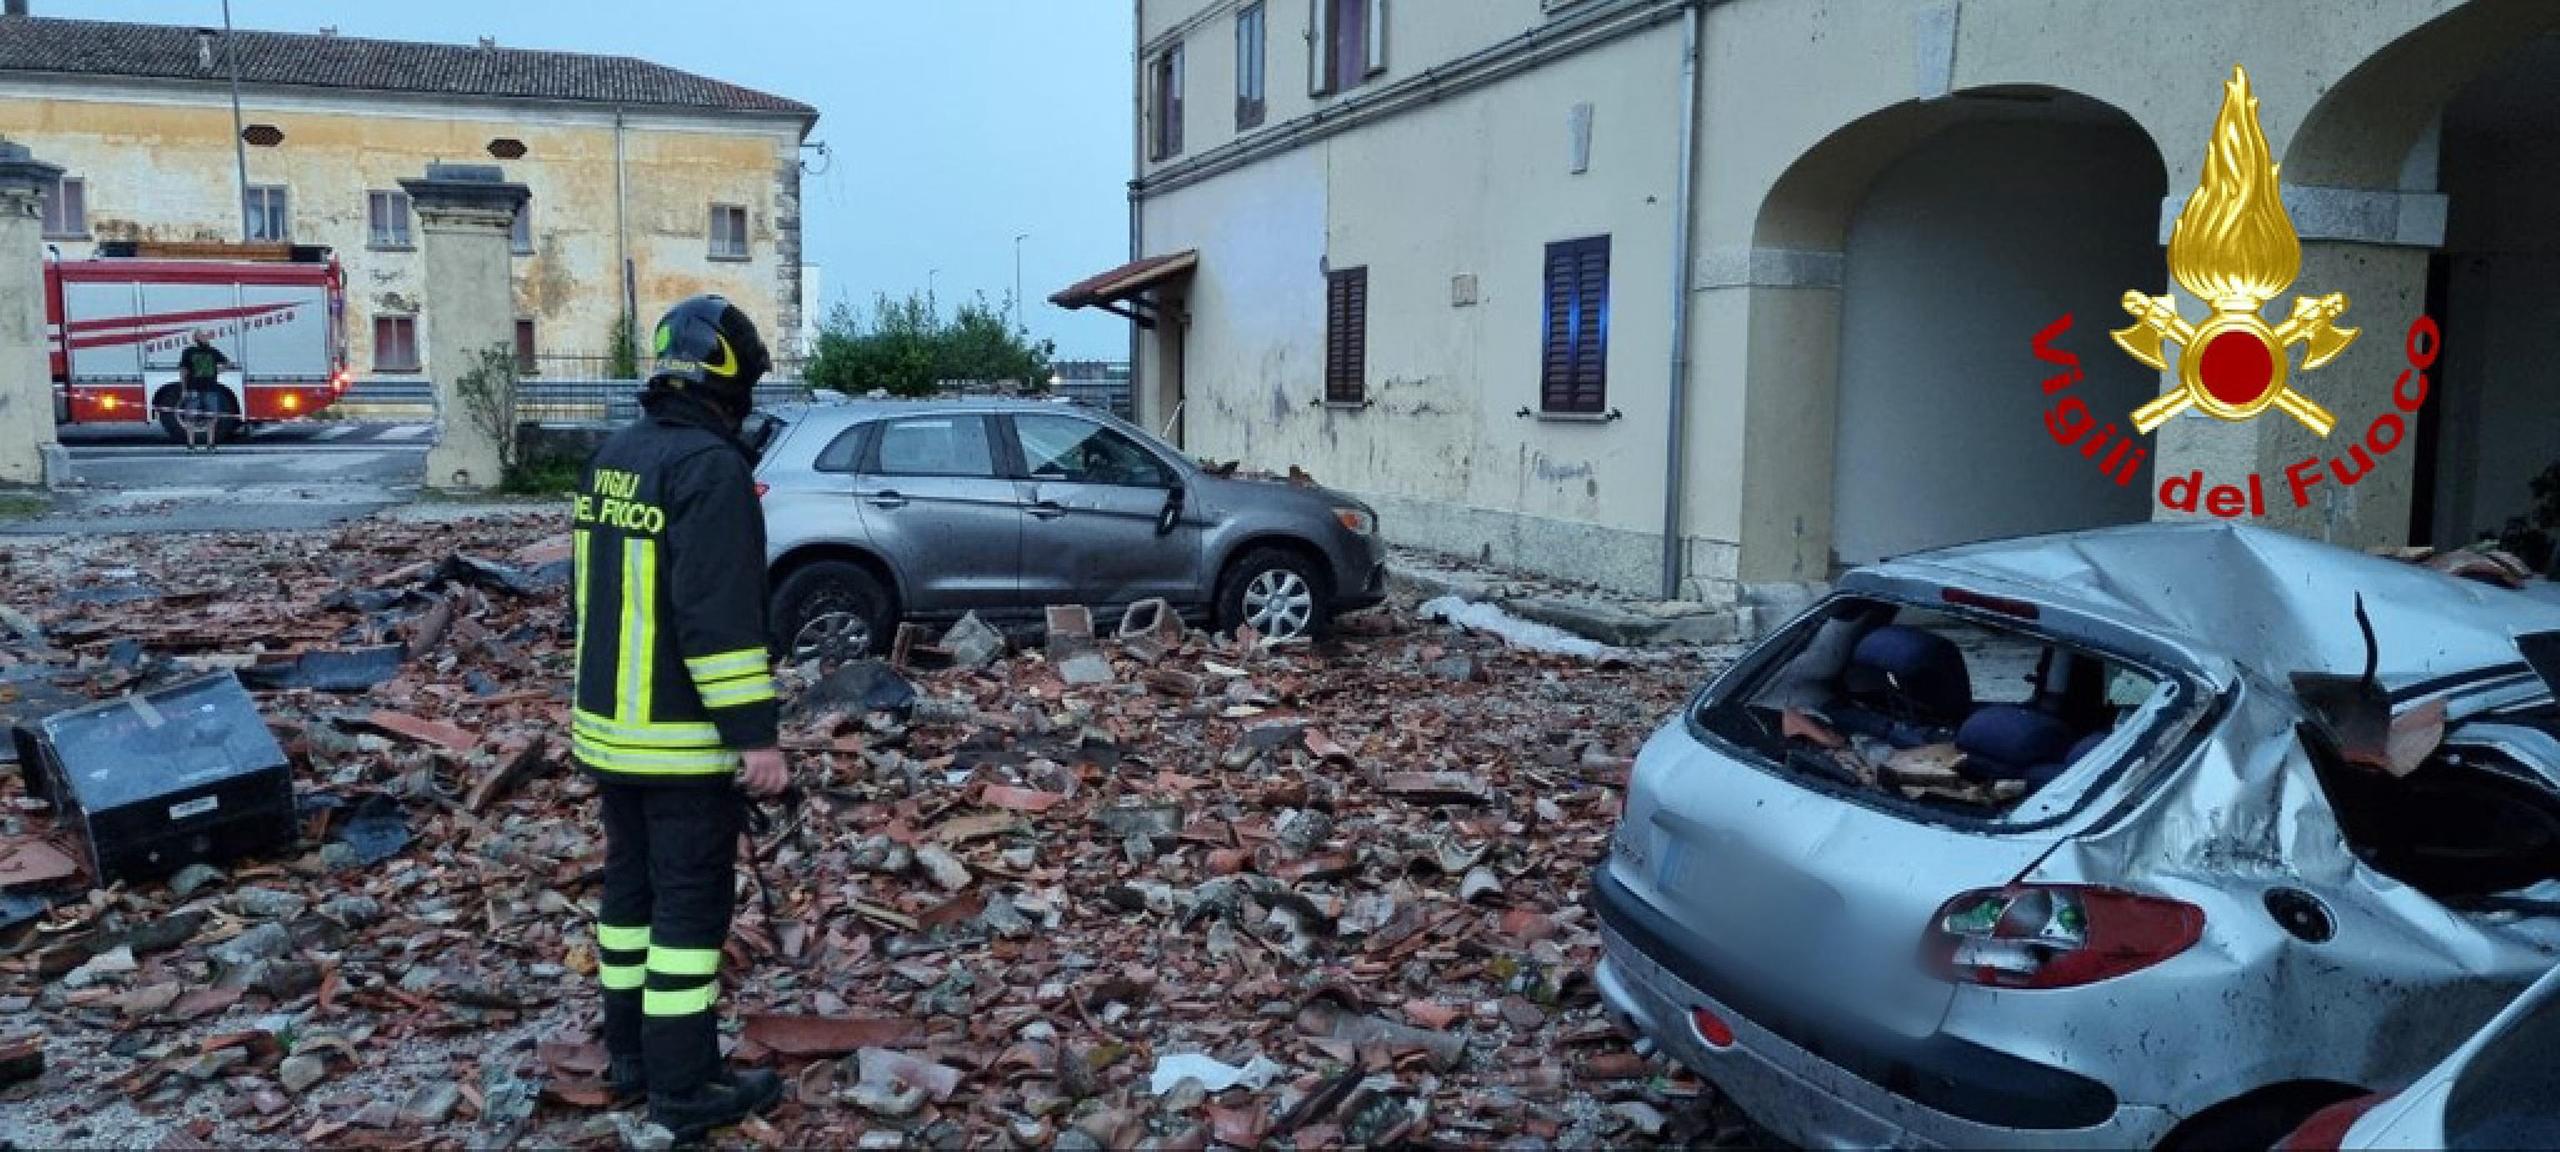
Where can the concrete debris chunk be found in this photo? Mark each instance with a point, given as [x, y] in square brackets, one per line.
[1070, 630]
[973, 643]
[1085, 669]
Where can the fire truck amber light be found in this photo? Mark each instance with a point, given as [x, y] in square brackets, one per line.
[2056, 935]
[107, 402]
[292, 401]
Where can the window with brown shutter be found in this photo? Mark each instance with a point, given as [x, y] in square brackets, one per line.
[1167, 126]
[1346, 335]
[1348, 42]
[1574, 370]
[1249, 61]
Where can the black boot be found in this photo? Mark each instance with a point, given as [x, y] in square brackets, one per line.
[630, 1077]
[726, 1099]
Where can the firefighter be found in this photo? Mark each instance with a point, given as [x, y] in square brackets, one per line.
[675, 713]
[200, 390]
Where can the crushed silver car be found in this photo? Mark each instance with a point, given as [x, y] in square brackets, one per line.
[882, 510]
[2171, 834]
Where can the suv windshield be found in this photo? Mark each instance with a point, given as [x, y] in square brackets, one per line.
[1931, 710]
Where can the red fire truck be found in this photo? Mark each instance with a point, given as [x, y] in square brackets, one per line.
[118, 322]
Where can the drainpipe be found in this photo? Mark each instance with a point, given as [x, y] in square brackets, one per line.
[1138, 170]
[1683, 199]
[622, 241]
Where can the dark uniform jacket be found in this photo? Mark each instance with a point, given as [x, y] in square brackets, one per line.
[673, 677]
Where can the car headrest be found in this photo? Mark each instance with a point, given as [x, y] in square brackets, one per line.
[2014, 735]
[1927, 667]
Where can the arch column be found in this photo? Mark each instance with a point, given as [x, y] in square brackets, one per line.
[1790, 354]
[2383, 271]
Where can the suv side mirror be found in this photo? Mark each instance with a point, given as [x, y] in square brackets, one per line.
[1168, 519]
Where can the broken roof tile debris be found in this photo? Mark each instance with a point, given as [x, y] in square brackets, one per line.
[1141, 885]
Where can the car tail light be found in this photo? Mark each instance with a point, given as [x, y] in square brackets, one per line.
[2326, 1130]
[1712, 1029]
[762, 488]
[2055, 935]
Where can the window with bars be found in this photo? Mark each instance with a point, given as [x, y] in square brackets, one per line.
[1165, 80]
[728, 232]
[66, 208]
[1346, 336]
[270, 215]
[1250, 39]
[395, 344]
[1574, 369]
[387, 219]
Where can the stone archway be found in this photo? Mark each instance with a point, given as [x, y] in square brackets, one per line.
[1900, 269]
[2495, 425]
[2451, 124]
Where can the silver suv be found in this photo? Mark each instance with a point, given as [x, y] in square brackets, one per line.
[878, 511]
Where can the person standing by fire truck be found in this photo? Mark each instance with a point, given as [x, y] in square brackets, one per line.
[674, 713]
[200, 390]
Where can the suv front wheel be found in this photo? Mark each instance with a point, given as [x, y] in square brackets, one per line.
[832, 611]
[1277, 592]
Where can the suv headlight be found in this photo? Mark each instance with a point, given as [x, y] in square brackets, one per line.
[1356, 520]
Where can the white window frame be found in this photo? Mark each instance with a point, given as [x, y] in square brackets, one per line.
[56, 225]
[273, 201]
[746, 245]
[378, 207]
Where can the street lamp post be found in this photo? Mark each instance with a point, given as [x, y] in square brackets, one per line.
[239, 142]
[1017, 279]
[929, 274]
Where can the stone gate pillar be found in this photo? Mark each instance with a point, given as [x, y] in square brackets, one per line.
[26, 372]
[466, 212]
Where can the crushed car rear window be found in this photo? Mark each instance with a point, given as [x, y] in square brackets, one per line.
[1929, 709]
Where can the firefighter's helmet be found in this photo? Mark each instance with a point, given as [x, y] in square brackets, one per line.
[707, 346]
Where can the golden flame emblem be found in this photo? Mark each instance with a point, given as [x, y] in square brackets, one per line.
[2234, 248]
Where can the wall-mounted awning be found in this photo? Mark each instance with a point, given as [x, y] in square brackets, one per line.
[1123, 290]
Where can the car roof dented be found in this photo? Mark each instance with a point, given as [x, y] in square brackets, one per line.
[2272, 602]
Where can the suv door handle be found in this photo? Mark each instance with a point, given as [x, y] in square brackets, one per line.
[1047, 510]
[885, 500]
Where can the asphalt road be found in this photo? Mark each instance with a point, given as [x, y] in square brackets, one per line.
[133, 479]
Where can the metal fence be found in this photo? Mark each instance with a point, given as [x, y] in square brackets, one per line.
[594, 366]
[561, 399]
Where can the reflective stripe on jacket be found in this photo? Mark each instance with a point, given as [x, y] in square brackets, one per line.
[673, 675]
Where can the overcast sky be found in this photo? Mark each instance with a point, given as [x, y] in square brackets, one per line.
[955, 124]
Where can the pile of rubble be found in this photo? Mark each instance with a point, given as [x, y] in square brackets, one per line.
[1148, 888]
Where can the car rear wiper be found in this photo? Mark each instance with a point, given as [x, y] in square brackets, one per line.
[1805, 759]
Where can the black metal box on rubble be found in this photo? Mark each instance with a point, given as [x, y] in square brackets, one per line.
[165, 778]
